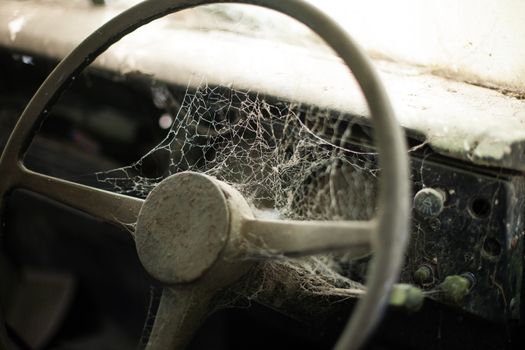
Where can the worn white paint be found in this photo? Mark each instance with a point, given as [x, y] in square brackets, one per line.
[457, 119]
[476, 40]
[15, 26]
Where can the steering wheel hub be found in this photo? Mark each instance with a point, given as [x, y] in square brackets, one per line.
[182, 227]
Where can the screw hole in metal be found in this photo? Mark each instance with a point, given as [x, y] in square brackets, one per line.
[491, 247]
[480, 207]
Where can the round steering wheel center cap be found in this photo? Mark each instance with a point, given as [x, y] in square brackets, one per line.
[182, 227]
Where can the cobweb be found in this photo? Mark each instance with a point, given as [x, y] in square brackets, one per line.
[287, 159]
[296, 160]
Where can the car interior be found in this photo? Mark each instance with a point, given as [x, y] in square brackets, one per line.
[262, 174]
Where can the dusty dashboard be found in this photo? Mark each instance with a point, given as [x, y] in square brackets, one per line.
[120, 129]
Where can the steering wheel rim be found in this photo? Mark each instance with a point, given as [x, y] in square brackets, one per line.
[394, 189]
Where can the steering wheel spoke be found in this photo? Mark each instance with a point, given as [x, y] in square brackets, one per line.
[300, 238]
[111, 207]
[181, 311]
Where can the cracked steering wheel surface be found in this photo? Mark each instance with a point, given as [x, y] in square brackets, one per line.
[214, 221]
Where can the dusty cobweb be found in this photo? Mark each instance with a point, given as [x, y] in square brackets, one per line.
[287, 159]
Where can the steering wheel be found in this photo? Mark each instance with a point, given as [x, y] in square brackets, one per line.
[194, 232]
